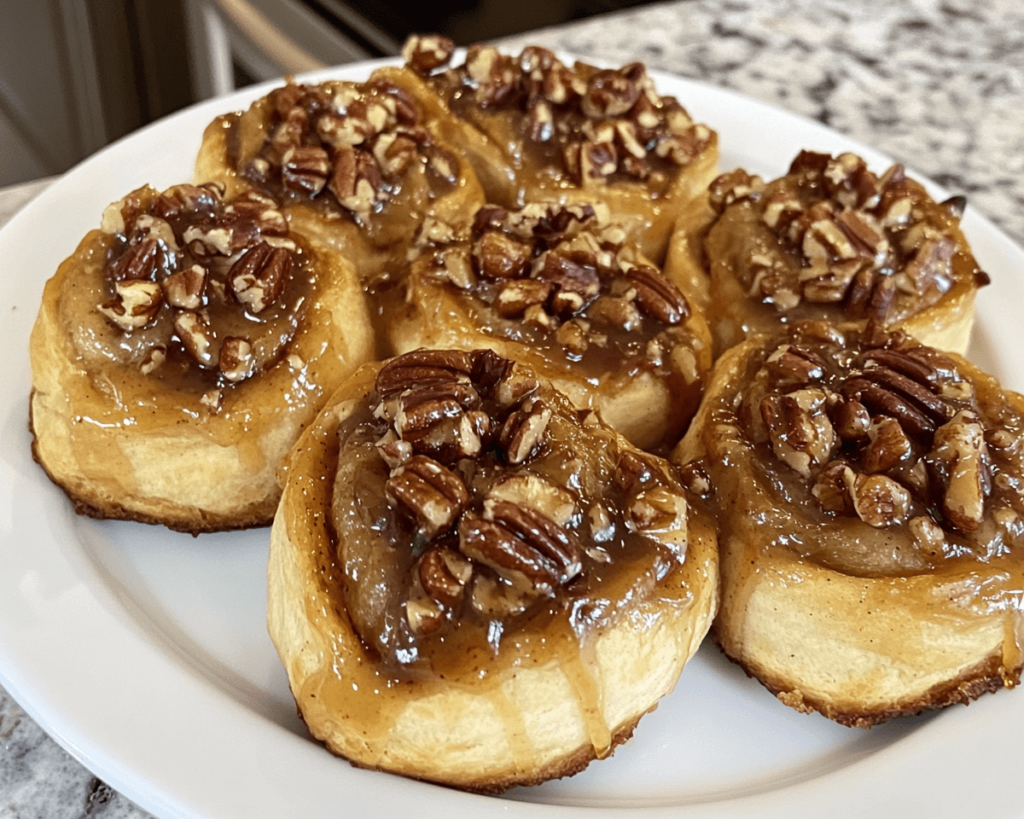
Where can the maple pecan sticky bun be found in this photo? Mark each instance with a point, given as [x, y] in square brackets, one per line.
[474, 583]
[180, 350]
[869, 493]
[561, 289]
[359, 162]
[534, 127]
[830, 241]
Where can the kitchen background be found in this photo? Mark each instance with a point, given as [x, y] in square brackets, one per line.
[77, 74]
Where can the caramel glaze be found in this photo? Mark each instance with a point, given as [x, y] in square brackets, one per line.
[360, 692]
[881, 589]
[740, 245]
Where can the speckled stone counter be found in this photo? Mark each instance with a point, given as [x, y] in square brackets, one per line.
[938, 86]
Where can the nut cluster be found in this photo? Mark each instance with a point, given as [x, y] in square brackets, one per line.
[860, 240]
[184, 257]
[888, 430]
[565, 272]
[604, 124]
[354, 142]
[462, 434]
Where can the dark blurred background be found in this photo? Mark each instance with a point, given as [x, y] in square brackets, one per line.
[77, 74]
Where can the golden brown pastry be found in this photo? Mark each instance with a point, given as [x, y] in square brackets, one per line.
[179, 352]
[470, 585]
[829, 241]
[869, 498]
[535, 128]
[561, 289]
[362, 162]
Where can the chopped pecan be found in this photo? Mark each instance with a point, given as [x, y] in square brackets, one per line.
[195, 336]
[443, 573]
[140, 260]
[442, 163]
[575, 277]
[185, 288]
[523, 432]
[394, 153]
[425, 52]
[612, 92]
[959, 458]
[801, 434]
[733, 186]
[433, 493]
[878, 500]
[136, 304]
[493, 73]
[659, 512]
[260, 276]
[517, 295]
[304, 169]
[356, 182]
[236, 359]
[887, 446]
[496, 255]
[795, 364]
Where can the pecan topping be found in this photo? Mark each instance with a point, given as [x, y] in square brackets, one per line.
[235, 358]
[433, 493]
[185, 288]
[800, 431]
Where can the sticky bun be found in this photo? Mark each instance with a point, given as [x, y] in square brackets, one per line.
[561, 289]
[180, 350]
[829, 241]
[536, 128]
[474, 583]
[869, 492]
[359, 162]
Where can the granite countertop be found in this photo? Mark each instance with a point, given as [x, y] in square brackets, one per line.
[936, 84]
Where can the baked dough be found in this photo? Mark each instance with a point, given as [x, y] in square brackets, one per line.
[867, 490]
[535, 128]
[363, 163]
[472, 586]
[179, 352]
[562, 290]
[829, 241]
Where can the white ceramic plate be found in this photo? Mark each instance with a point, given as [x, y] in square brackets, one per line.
[144, 652]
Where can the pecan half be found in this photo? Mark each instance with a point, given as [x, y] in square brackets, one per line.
[443, 573]
[522, 545]
[260, 276]
[421, 368]
[657, 296]
[433, 493]
[304, 169]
